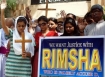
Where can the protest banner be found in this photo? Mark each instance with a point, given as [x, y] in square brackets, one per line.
[71, 56]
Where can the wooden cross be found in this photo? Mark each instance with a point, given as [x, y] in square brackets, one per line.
[46, 9]
[23, 41]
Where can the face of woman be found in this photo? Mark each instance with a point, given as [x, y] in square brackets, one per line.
[20, 27]
[43, 25]
[69, 28]
[52, 25]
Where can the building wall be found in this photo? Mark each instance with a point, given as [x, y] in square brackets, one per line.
[79, 8]
[101, 2]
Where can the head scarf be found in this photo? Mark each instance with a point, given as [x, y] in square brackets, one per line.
[29, 47]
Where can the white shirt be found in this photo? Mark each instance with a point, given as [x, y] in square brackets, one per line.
[95, 28]
[4, 41]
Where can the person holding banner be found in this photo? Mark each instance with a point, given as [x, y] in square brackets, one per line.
[43, 23]
[70, 28]
[16, 65]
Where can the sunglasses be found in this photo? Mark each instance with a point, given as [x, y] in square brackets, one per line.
[42, 24]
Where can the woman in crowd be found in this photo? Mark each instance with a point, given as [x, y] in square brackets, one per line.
[70, 28]
[52, 24]
[18, 63]
[44, 26]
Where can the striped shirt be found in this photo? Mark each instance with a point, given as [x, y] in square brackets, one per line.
[16, 66]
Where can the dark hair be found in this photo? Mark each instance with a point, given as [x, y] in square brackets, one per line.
[88, 14]
[22, 19]
[74, 17]
[53, 19]
[73, 23]
[88, 17]
[43, 18]
[97, 6]
[60, 21]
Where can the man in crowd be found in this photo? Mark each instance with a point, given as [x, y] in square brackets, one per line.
[98, 26]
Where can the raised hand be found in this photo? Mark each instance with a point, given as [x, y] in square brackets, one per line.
[3, 4]
[28, 11]
[63, 14]
[81, 24]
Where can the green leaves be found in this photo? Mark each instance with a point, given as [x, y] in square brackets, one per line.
[11, 4]
[104, 12]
